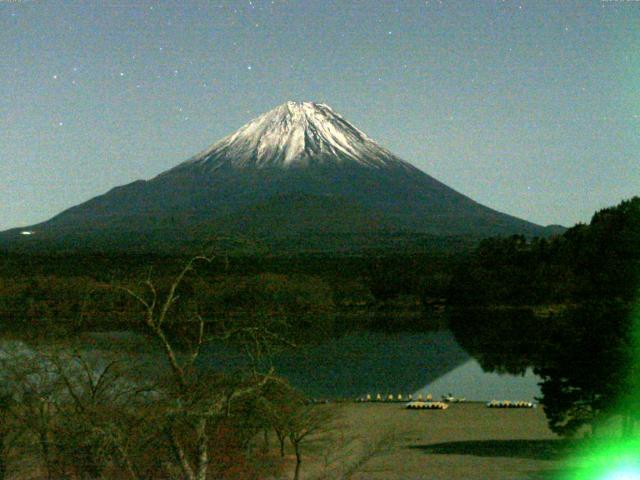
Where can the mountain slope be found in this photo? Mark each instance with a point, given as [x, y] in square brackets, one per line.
[299, 168]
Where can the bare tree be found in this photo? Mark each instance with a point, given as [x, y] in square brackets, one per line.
[6, 403]
[378, 448]
[86, 416]
[196, 400]
[99, 411]
[305, 423]
[30, 392]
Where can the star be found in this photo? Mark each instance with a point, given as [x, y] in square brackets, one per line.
[249, 67]
[122, 74]
[55, 77]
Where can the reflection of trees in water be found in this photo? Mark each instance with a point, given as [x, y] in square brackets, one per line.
[583, 354]
[501, 340]
[588, 367]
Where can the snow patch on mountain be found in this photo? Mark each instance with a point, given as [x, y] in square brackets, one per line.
[296, 134]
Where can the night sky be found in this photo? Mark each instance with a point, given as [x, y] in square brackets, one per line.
[529, 107]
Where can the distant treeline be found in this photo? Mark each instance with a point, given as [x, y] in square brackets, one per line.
[598, 260]
[86, 289]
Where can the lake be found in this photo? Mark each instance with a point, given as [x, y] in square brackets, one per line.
[353, 365]
[371, 362]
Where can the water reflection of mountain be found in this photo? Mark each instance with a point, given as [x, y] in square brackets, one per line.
[346, 367]
[353, 365]
[377, 362]
[370, 362]
[350, 366]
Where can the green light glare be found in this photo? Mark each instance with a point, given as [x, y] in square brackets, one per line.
[613, 459]
[624, 473]
[614, 456]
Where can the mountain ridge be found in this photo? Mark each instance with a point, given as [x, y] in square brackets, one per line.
[243, 181]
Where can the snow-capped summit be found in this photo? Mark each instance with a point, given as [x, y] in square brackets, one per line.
[296, 134]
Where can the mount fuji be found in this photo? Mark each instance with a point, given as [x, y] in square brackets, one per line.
[300, 172]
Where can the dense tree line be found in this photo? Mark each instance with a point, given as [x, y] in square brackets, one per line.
[68, 291]
[563, 306]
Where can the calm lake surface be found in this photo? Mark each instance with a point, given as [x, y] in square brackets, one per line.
[376, 362]
[356, 364]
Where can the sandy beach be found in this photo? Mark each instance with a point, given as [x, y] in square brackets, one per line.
[466, 441]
